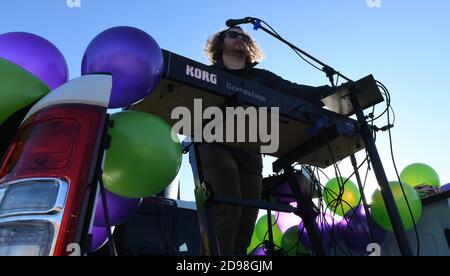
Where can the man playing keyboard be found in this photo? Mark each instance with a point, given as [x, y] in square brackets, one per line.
[236, 172]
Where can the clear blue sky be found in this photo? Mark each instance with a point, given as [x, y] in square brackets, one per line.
[403, 43]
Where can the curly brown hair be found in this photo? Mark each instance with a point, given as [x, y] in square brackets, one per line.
[214, 47]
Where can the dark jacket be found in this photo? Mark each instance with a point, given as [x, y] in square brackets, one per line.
[251, 161]
[264, 77]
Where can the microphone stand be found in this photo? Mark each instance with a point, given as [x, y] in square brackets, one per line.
[329, 71]
[310, 224]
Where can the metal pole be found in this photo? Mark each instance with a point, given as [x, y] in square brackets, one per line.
[388, 197]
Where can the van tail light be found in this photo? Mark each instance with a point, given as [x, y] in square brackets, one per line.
[47, 177]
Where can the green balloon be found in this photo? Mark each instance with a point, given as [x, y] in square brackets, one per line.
[18, 88]
[379, 212]
[261, 230]
[350, 197]
[418, 173]
[290, 242]
[143, 159]
[255, 242]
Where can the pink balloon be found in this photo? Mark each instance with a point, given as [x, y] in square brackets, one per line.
[287, 220]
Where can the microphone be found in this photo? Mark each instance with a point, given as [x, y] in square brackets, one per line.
[233, 22]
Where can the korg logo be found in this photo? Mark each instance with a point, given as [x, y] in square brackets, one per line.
[201, 74]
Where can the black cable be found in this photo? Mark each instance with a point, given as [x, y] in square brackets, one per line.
[323, 210]
[299, 54]
[274, 223]
[264, 238]
[359, 166]
[393, 114]
[388, 99]
[371, 230]
[332, 232]
[395, 166]
[368, 216]
[111, 244]
[338, 176]
[374, 133]
[322, 172]
[404, 194]
[338, 201]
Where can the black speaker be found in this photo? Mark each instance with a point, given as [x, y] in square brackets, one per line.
[160, 227]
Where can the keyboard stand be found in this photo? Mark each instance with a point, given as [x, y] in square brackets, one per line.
[206, 200]
[353, 98]
[386, 192]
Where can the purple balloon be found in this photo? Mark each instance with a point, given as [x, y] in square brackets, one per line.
[99, 237]
[119, 209]
[355, 231]
[259, 251]
[446, 187]
[132, 57]
[328, 230]
[36, 55]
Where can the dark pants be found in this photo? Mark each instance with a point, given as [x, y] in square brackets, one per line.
[228, 177]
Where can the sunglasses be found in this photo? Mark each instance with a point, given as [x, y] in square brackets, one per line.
[234, 35]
